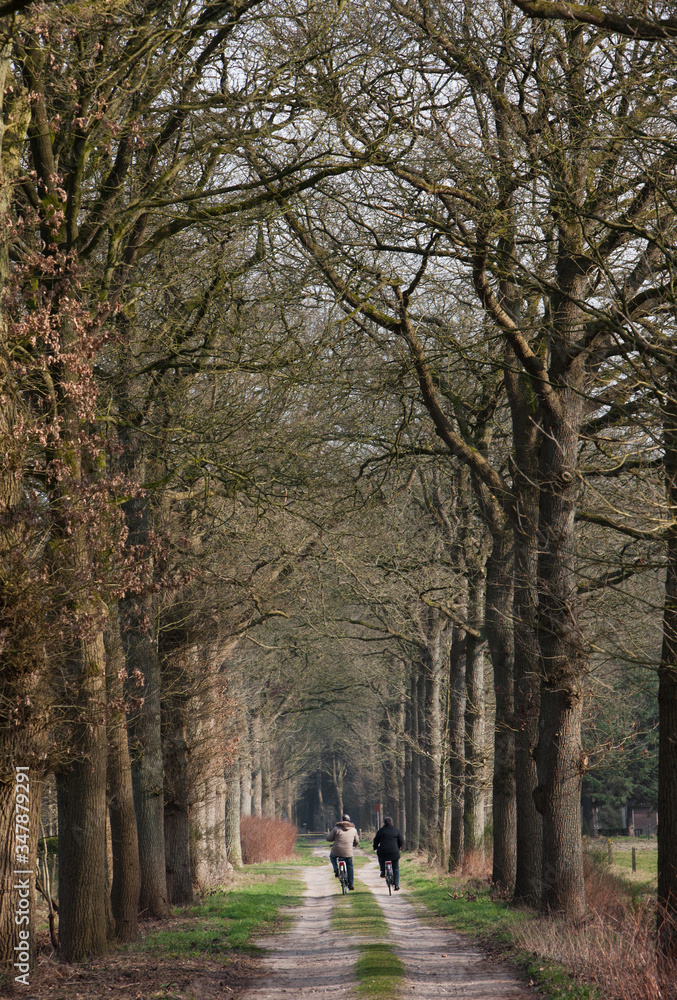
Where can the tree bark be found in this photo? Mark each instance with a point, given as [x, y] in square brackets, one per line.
[432, 673]
[257, 781]
[527, 668]
[232, 836]
[558, 753]
[457, 696]
[81, 793]
[19, 833]
[667, 706]
[178, 865]
[498, 617]
[475, 759]
[146, 748]
[16, 748]
[415, 764]
[126, 881]
[400, 765]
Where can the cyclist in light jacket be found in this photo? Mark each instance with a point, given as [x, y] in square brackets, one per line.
[344, 837]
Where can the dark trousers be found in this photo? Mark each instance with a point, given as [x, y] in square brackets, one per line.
[396, 867]
[349, 866]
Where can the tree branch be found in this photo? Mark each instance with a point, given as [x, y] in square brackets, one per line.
[631, 27]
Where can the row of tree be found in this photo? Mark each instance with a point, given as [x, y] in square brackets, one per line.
[337, 352]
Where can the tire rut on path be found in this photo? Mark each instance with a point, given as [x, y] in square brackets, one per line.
[439, 963]
[312, 960]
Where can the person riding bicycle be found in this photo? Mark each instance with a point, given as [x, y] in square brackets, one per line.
[387, 844]
[344, 837]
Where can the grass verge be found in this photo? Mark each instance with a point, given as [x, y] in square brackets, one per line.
[379, 970]
[227, 922]
[470, 907]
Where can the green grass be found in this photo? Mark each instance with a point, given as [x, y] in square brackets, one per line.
[227, 922]
[647, 860]
[636, 887]
[358, 914]
[379, 970]
[380, 973]
[469, 907]
[465, 906]
[303, 850]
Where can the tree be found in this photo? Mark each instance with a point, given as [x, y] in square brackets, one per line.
[531, 245]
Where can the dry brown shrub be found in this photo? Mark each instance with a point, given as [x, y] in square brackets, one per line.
[476, 865]
[615, 948]
[266, 839]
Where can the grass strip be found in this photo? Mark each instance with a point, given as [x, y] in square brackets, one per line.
[303, 850]
[470, 907]
[225, 922]
[379, 970]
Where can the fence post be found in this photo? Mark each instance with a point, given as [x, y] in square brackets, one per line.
[634, 859]
[611, 851]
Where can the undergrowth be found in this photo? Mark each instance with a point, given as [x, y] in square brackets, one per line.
[227, 922]
[265, 838]
[611, 955]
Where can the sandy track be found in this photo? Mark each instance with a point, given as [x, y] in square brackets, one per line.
[438, 962]
[312, 960]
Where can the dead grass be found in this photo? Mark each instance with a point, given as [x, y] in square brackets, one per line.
[476, 865]
[613, 949]
[266, 839]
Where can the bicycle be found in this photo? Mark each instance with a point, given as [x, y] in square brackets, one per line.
[390, 879]
[343, 875]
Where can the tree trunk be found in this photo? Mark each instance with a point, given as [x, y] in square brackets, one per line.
[146, 747]
[220, 864]
[320, 799]
[415, 765]
[177, 855]
[527, 668]
[667, 707]
[178, 864]
[400, 765]
[558, 752]
[267, 791]
[19, 833]
[233, 842]
[257, 781]
[434, 659]
[15, 742]
[126, 881]
[408, 768]
[475, 759]
[198, 824]
[457, 745]
[81, 792]
[498, 617]
[246, 787]
[338, 774]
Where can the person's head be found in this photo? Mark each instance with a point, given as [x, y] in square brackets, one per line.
[345, 818]
[388, 821]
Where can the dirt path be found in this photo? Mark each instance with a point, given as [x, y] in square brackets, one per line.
[311, 960]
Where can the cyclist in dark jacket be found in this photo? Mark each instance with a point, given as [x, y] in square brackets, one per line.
[387, 844]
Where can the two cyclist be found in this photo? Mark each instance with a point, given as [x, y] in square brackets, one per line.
[387, 844]
[344, 838]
